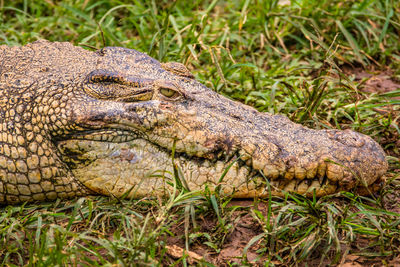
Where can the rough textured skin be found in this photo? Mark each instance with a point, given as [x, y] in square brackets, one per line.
[76, 122]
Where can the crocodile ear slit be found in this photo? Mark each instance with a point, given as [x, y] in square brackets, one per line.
[177, 69]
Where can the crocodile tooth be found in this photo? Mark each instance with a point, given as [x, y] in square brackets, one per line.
[281, 170]
[348, 181]
[311, 170]
[257, 165]
[115, 154]
[245, 156]
[302, 187]
[270, 171]
[289, 174]
[329, 189]
[299, 173]
[321, 170]
[314, 185]
[249, 162]
[334, 172]
[290, 187]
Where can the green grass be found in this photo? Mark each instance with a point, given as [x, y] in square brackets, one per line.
[283, 59]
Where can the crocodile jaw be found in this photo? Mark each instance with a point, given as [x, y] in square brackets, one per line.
[140, 169]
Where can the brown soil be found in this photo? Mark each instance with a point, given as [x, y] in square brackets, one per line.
[243, 231]
[375, 81]
[380, 81]
[234, 240]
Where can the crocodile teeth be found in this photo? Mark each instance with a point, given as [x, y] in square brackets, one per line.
[314, 185]
[347, 175]
[245, 156]
[270, 171]
[289, 174]
[321, 170]
[303, 187]
[334, 172]
[311, 170]
[349, 180]
[329, 189]
[299, 173]
[290, 187]
[257, 165]
[249, 162]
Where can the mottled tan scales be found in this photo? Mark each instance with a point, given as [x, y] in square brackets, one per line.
[75, 122]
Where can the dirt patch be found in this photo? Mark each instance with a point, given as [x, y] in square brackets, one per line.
[375, 81]
[229, 242]
[380, 81]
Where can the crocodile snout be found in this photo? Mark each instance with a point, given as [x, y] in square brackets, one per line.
[325, 160]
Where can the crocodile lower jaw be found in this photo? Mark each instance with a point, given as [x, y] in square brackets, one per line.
[143, 169]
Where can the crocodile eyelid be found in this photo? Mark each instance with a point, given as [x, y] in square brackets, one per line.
[118, 92]
[104, 84]
[106, 76]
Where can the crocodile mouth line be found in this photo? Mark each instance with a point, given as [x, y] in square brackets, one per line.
[320, 182]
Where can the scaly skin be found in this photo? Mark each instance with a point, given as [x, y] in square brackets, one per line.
[75, 122]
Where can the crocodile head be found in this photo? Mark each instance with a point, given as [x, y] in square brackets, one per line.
[121, 120]
[133, 111]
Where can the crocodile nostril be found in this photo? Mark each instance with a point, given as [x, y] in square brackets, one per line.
[235, 116]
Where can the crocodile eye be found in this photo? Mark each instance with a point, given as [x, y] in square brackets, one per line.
[170, 93]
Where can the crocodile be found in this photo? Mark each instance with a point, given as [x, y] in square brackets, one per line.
[117, 122]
